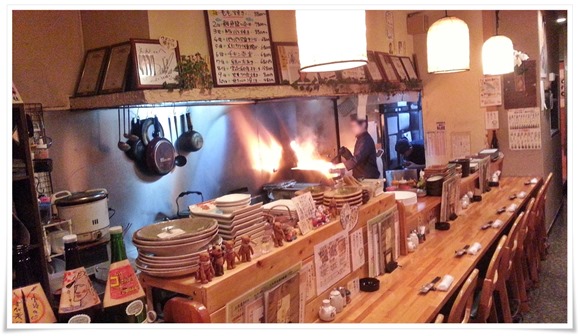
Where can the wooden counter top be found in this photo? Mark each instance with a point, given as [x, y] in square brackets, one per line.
[398, 299]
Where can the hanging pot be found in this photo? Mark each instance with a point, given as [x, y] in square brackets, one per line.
[190, 141]
[160, 153]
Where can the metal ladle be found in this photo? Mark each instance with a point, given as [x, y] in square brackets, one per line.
[180, 160]
[122, 145]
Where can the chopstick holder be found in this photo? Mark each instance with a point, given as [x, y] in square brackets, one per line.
[445, 283]
[474, 248]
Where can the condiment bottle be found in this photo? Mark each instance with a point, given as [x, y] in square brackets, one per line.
[410, 245]
[326, 312]
[336, 300]
[414, 238]
[29, 302]
[79, 302]
[124, 300]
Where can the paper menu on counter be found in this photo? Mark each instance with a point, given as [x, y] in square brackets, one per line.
[490, 92]
[305, 206]
[524, 129]
[332, 261]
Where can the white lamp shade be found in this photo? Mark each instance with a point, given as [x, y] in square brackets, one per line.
[448, 46]
[331, 40]
[497, 55]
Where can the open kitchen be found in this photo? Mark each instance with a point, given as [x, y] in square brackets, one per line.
[289, 166]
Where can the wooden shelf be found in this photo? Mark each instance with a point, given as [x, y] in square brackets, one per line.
[229, 95]
[19, 178]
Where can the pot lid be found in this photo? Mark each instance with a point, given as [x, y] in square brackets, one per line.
[82, 197]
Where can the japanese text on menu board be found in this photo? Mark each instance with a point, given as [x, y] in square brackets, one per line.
[241, 47]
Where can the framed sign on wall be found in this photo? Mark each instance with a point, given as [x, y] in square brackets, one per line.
[92, 72]
[154, 65]
[240, 43]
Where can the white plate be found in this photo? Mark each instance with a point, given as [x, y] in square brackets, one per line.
[253, 230]
[285, 202]
[209, 209]
[232, 231]
[230, 209]
[233, 198]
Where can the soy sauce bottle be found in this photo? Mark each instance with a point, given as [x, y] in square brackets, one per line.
[29, 302]
[124, 300]
[79, 302]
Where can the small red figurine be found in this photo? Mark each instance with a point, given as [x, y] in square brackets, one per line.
[205, 273]
[278, 234]
[230, 254]
[289, 233]
[217, 255]
[246, 250]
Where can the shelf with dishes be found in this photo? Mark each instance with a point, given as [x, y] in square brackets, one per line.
[217, 96]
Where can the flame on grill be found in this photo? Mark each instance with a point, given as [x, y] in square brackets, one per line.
[266, 153]
[309, 159]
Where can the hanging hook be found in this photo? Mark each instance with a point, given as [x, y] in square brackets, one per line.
[497, 22]
[446, 13]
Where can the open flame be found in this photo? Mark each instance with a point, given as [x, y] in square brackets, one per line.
[266, 153]
[309, 159]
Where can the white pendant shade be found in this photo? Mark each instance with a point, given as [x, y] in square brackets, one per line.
[331, 40]
[448, 46]
[498, 55]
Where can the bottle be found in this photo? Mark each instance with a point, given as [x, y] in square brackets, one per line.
[494, 141]
[79, 302]
[336, 300]
[29, 302]
[326, 312]
[124, 300]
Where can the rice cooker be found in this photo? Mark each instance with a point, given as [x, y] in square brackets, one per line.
[88, 211]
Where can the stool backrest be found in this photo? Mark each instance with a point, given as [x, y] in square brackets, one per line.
[526, 222]
[511, 246]
[461, 310]
[490, 281]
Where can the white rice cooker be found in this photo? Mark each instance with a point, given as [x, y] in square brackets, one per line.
[87, 210]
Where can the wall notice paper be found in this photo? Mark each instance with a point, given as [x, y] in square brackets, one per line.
[357, 249]
[491, 120]
[308, 280]
[460, 144]
[524, 128]
[490, 91]
[435, 142]
[241, 47]
[250, 306]
[332, 261]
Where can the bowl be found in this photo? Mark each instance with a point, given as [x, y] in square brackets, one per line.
[165, 265]
[192, 227]
[168, 272]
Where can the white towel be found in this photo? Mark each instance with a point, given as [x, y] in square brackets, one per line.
[512, 208]
[474, 248]
[497, 223]
[445, 283]
[522, 194]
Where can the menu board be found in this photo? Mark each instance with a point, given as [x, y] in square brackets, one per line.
[241, 47]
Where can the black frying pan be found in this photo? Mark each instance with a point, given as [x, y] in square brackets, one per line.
[159, 153]
[190, 141]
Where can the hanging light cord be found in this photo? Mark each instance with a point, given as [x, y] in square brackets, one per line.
[496, 22]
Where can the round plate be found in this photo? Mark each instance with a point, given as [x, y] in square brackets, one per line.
[164, 265]
[171, 242]
[233, 198]
[178, 249]
[192, 227]
[168, 273]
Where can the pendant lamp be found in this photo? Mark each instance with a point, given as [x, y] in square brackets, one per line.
[448, 46]
[497, 53]
[331, 40]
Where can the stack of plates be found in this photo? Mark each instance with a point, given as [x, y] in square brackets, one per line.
[232, 202]
[280, 208]
[343, 195]
[172, 248]
[316, 191]
[246, 220]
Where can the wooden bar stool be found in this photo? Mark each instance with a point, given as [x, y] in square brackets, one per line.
[521, 272]
[439, 318]
[507, 268]
[486, 310]
[542, 232]
[461, 309]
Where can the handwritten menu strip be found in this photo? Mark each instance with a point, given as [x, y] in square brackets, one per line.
[241, 47]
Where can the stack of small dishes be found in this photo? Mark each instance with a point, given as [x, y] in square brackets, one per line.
[171, 248]
[343, 195]
[232, 202]
[245, 220]
[316, 191]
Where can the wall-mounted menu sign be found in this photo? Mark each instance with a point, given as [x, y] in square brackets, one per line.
[241, 47]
